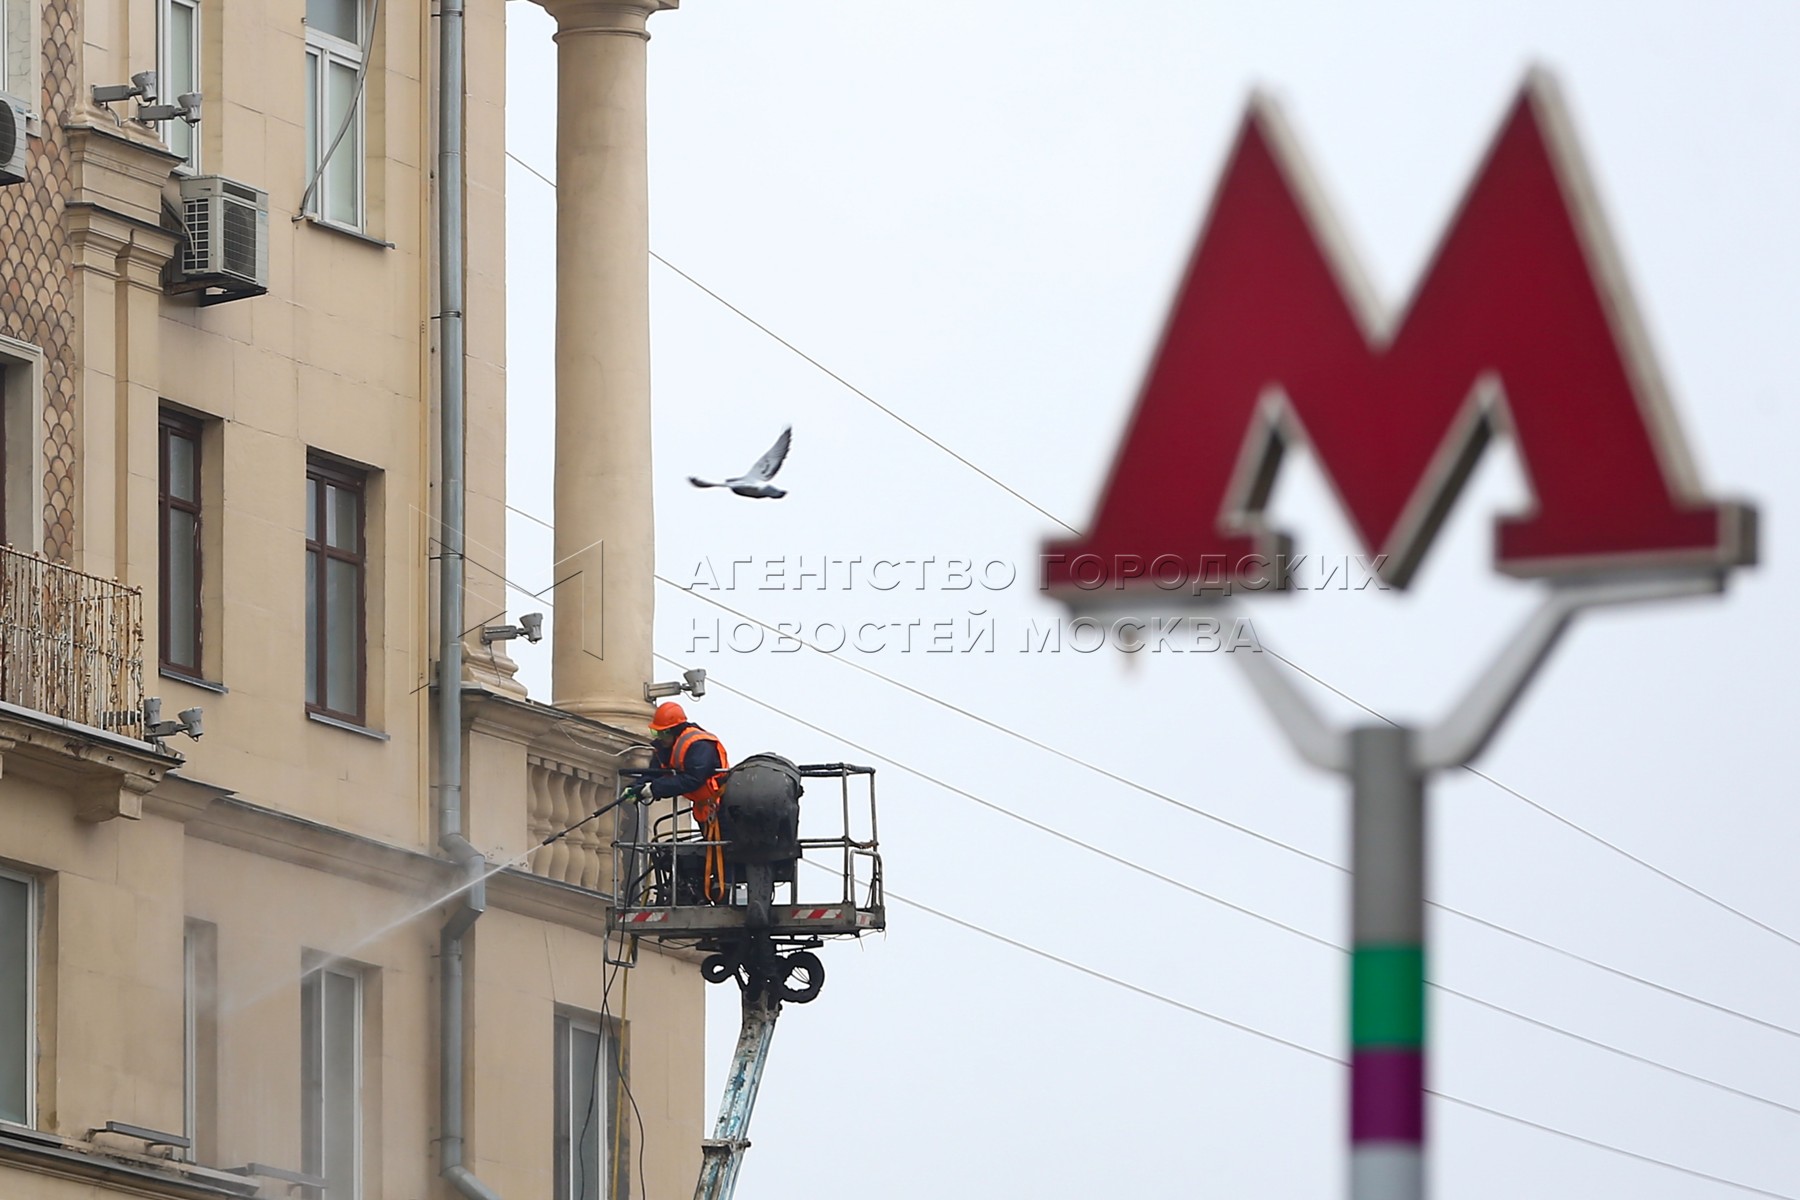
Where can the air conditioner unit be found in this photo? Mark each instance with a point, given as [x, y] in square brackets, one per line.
[227, 226]
[14, 144]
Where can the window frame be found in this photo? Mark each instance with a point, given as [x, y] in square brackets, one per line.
[322, 50]
[22, 414]
[200, 1017]
[33, 910]
[164, 56]
[313, 1100]
[30, 88]
[5, 474]
[190, 1037]
[329, 472]
[173, 422]
[609, 1076]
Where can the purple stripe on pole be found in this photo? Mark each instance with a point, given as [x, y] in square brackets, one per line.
[1387, 1096]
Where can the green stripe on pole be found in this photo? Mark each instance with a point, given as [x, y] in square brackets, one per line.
[1387, 996]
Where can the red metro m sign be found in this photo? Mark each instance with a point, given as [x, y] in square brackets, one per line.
[1521, 325]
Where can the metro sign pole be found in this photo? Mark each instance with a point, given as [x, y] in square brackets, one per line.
[1522, 325]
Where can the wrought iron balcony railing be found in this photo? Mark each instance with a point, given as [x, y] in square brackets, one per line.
[71, 644]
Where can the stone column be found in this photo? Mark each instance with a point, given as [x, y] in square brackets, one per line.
[605, 527]
[112, 224]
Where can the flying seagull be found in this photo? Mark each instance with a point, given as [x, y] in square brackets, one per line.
[754, 483]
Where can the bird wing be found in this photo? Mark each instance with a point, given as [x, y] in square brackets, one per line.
[769, 463]
[698, 482]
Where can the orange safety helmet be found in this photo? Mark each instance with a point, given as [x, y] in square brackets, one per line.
[668, 715]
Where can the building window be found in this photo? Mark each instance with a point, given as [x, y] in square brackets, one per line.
[5, 473]
[178, 502]
[18, 50]
[178, 72]
[331, 1034]
[589, 1081]
[21, 443]
[337, 40]
[18, 1032]
[336, 564]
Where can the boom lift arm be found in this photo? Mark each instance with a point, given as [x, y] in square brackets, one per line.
[723, 1153]
[766, 948]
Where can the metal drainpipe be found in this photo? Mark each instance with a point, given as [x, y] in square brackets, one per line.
[452, 418]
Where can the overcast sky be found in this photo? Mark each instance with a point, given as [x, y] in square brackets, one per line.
[975, 214]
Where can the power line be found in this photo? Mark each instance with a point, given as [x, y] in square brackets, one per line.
[1585, 832]
[1683, 884]
[805, 357]
[1322, 682]
[1013, 733]
[1003, 486]
[1032, 504]
[1616, 971]
[531, 168]
[1607, 1146]
[1252, 913]
[1092, 973]
[1611, 1049]
[1070, 964]
[1277, 1039]
[1022, 819]
[1010, 732]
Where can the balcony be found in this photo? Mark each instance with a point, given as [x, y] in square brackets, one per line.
[560, 795]
[71, 645]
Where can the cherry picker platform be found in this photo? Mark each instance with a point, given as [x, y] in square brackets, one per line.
[715, 887]
[663, 862]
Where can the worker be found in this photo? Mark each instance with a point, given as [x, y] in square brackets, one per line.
[693, 757]
[695, 760]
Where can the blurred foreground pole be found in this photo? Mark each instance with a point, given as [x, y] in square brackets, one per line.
[1387, 966]
[1387, 765]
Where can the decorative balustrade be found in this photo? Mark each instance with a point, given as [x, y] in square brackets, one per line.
[559, 796]
[71, 644]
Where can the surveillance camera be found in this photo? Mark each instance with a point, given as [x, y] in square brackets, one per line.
[142, 85]
[696, 682]
[190, 719]
[532, 626]
[189, 103]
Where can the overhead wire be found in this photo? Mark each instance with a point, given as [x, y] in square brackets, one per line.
[1012, 733]
[1222, 901]
[1312, 1052]
[1620, 1051]
[1618, 972]
[996, 481]
[1252, 913]
[1576, 826]
[1034, 506]
[1547, 811]
[1021, 818]
[1114, 776]
[1683, 884]
[1599, 839]
[1241, 909]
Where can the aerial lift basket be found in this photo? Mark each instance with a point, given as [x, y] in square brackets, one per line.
[793, 881]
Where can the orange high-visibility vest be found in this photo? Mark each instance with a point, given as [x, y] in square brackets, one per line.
[705, 798]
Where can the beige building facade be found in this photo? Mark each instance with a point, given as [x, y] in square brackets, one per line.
[220, 958]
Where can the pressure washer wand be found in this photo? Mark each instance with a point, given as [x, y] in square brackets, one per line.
[598, 812]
